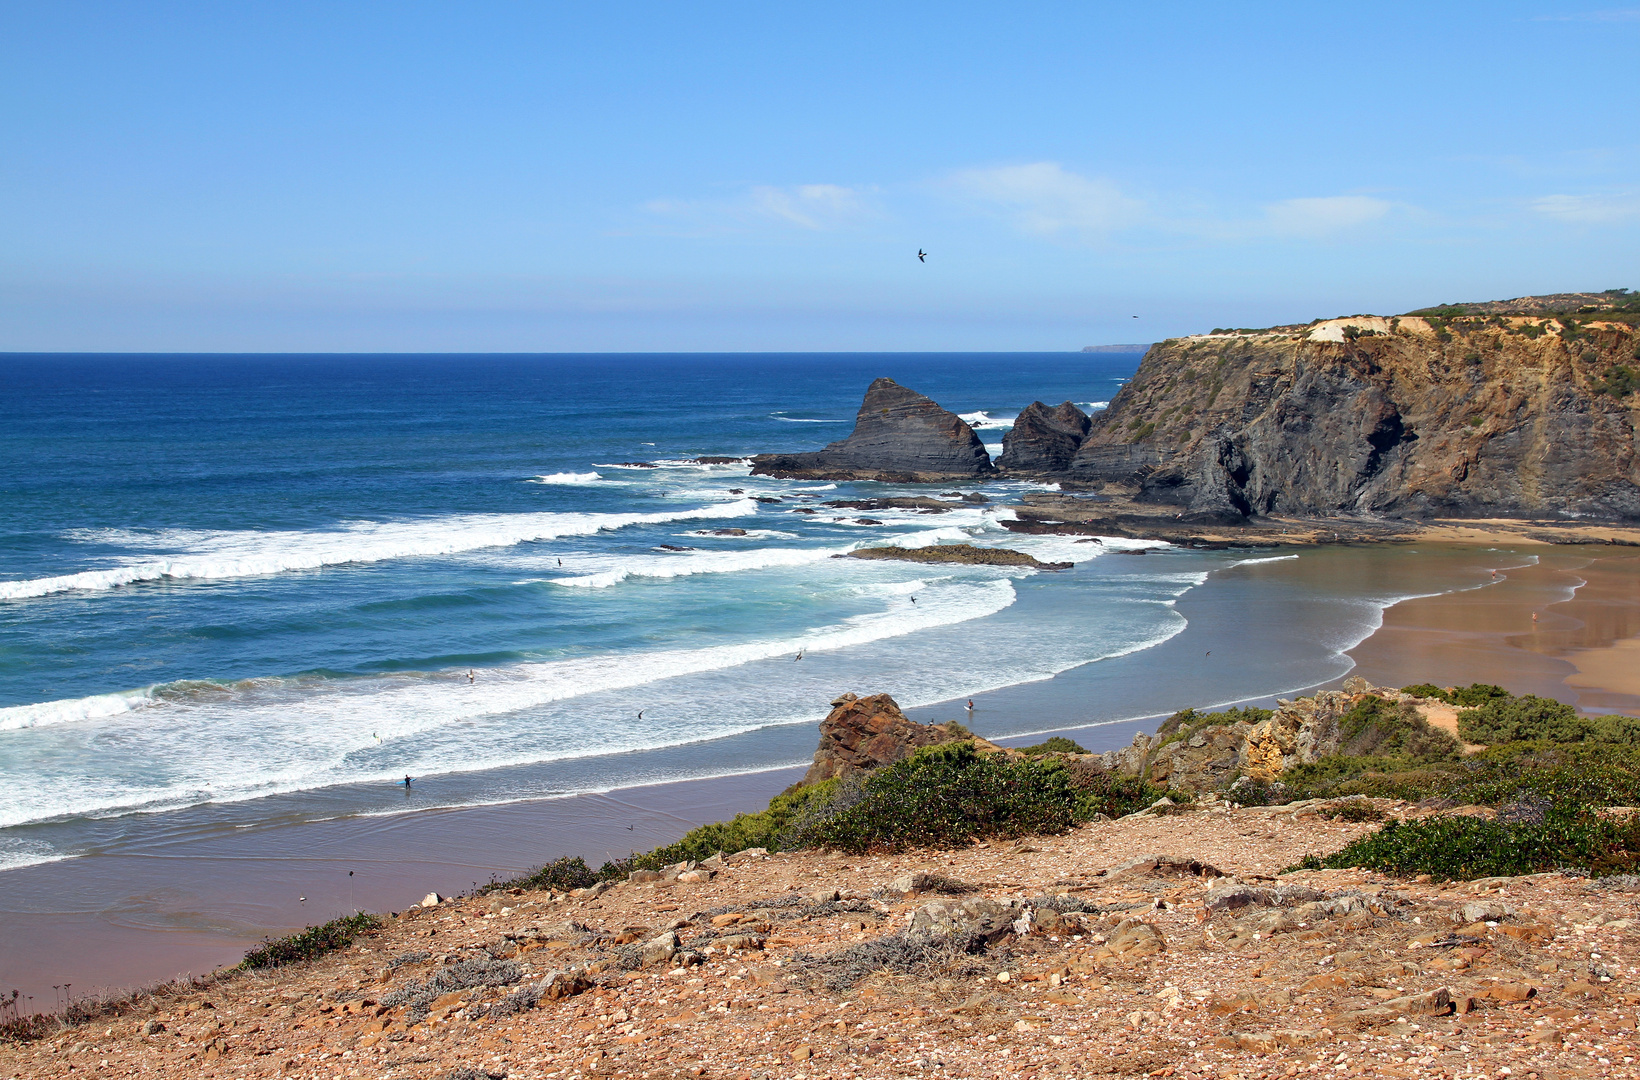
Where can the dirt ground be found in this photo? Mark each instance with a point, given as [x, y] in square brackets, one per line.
[1155, 967]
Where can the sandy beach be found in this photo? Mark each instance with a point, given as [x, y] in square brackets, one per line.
[193, 902]
[1565, 627]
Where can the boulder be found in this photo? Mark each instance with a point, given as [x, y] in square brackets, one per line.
[866, 733]
[898, 435]
[659, 950]
[1043, 440]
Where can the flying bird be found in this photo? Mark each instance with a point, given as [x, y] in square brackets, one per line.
[920, 254]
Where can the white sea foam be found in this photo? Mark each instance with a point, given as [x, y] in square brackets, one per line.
[689, 564]
[994, 449]
[739, 465]
[1265, 559]
[289, 735]
[1092, 406]
[982, 419]
[804, 419]
[70, 709]
[239, 554]
[567, 479]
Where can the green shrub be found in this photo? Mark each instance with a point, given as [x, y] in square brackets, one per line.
[1620, 381]
[1465, 696]
[1463, 848]
[311, 943]
[1143, 433]
[1379, 728]
[1058, 744]
[942, 796]
[765, 829]
[1515, 719]
[560, 875]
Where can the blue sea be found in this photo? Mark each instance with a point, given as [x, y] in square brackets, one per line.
[239, 589]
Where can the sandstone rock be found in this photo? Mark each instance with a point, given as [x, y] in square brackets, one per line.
[1435, 1003]
[1176, 865]
[989, 919]
[659, 950]
[749, 853]
[152, 1027]
[819, 894]
[898, 434]
[1132, 940]
[914, 882]
[694, 877]
[966, 554]
[432, 899]
[645, 877]
[592, 892]
[737, 942]
[867, 732]
[1043, 440]
[564, 984]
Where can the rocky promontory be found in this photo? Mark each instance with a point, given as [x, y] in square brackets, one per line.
[1044, 439]
[1523, 408]
[899, 435]
[957, 553]
[863, 733]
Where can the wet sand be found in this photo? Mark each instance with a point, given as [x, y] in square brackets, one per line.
[1583, 647]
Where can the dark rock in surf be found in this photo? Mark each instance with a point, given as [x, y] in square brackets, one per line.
[899, 435]
[1044, 440]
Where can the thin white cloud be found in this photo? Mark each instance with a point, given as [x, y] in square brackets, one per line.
[1046, 199]
[815, 207]
[1589, 209]
[1319, 218]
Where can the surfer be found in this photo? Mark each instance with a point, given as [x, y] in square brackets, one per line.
[469, 676]
[407, 782]
[640, 714]
[799, 655]
[970, 704]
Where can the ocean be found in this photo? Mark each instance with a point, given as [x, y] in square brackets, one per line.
[237, 590]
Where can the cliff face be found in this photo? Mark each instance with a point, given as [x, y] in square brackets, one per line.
[1470, 416]
[898, 435]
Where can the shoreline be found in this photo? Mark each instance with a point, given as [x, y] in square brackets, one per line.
[201, 907]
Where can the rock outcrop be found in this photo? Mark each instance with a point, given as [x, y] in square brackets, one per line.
[1215, 756]
[957, 553]
[899, 435]
[868, 732]
[1044, 439]
[1476, 414]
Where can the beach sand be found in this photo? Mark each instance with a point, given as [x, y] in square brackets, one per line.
[1583, 647]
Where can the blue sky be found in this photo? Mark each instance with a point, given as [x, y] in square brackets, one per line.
[540, 177]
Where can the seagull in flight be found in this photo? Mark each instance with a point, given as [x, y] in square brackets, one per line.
[920, 255]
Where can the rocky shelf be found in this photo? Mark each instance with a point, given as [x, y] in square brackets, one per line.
[958, 553]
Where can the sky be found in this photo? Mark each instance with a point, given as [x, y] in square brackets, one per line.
[539, 177]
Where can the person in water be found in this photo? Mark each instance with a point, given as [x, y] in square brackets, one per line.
[407, 783]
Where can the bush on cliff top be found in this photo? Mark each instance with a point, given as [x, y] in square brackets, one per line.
[1464, 848]
[311, 943]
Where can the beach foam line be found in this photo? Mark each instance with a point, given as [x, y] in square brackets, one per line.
[267, 740]
[568, 479]
[238, 554]
[46, 713]
[1255, 562]
[700, 562]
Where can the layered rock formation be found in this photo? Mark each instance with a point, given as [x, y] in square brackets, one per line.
[864, 733]
[898, 435]
[1044, 439]
[1483, 414]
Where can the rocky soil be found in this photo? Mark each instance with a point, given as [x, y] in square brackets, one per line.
[1086, 954]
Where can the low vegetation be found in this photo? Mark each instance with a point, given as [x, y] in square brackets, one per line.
[311, 943]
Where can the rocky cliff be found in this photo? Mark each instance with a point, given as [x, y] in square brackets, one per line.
[898, 435]
[1521, 408]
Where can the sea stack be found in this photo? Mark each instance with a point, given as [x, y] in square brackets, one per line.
[899, 435]
[1044, 439]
